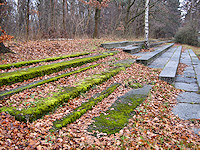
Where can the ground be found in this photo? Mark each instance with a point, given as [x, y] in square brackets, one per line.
[153, 126]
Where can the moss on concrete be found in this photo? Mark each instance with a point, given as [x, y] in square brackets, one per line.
[50, 103]
[8, 93]
[113, 120]
[78, 112]
[21, 75]
[26, 63]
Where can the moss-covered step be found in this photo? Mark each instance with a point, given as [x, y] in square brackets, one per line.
[116, 118]
[79, 111]
[37, 83]
[21, 75]
[26, 63]
[50, 103]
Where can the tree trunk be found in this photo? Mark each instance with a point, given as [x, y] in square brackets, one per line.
[191, 10]
[27, 20]
[64, 14]
[147, 24]
[96, 18]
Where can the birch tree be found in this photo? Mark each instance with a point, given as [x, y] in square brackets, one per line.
[147, 24]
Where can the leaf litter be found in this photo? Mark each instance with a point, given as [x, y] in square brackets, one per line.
[153, 126]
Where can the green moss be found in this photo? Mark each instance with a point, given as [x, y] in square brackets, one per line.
[113, 120]
[20, 76]
[8, 93]
[26, 63]
[78, 112]
[51, 103]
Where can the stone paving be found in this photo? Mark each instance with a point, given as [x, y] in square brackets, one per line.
[163, 59]
[188, 106]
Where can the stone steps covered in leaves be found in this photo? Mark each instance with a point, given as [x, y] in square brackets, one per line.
[135, 48]
[168, 73]
[122, 44]
[50, 103]
[21, 75]
[40, 82]
[116, 118]
[151, 56]
[79, 111]
[196, 65]
[26, 63]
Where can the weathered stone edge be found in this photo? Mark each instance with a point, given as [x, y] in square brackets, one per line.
[152, 58]
[78, 112]
[167, 78]
[22, 75]
[26, 63]
[35, 84]
[196, 65]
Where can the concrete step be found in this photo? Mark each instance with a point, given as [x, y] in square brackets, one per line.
[117, 116]
[126, 45]
[196, 65]
[151, 56]
[41, 82]
[130, 49]
[168, 74]
[120, 44]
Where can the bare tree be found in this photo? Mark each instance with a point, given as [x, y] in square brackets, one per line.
[147, 23]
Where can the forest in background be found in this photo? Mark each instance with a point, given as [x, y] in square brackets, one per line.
[40, 19]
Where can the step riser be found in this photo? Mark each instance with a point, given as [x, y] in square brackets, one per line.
[26, 63]
[146, 60]
[196, 65]
[32, 85]
[168, 74]
[46, 70]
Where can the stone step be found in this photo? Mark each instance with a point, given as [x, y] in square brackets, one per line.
[49, 104]
[149, 57]
[40, 82]
[130, 49]
[21, 75]
[119, 44]
[168, 74]
[128, 45]
[196, 65]
[188, 106]
[79, 111]
[26, 63]
[117, 116]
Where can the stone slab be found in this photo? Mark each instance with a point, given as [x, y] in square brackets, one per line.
[168, 74]
[130, 49]
[182, 78]
[187, 111]
[151, 56]
[196, 131]
[196, 65]
[188, 97]
[120, 44]
[161, 61]
[191, 87]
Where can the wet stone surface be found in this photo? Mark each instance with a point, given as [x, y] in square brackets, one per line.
[188, 97]
[163, 59]
[191, 87]
[188, 106]
[187, 111]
